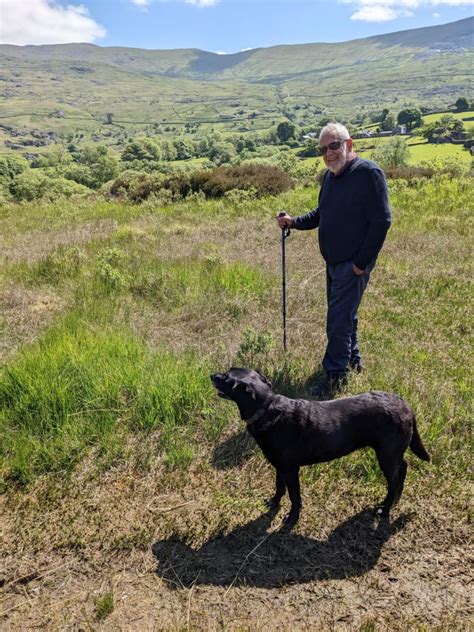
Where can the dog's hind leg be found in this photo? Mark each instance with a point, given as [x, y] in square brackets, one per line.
[280, 489]
[391, 465]
[292, 481]
[402, 472]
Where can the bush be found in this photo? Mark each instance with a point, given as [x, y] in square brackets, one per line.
[263, 179]
[137, 185]
[395, 153]
[259, 179]
[34, 184]
[409, 173]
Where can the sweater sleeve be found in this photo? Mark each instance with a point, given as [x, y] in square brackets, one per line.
[308, 221]
[378, 217]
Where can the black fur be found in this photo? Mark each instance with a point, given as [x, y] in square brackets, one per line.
[296, 432]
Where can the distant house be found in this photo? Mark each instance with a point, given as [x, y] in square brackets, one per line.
[310, 135]
[401, 129]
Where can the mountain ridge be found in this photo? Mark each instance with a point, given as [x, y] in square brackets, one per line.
[431, 66]
[196, 63]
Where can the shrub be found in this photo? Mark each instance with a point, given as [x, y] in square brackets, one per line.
[263, 179]
[395, 153]
[259, 179]
[137, 185]
[409, 172]
[34, 184]
[61, 264]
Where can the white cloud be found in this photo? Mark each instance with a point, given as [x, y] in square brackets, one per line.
[202, 3]
[374, 13]
[387, 10]
[196, 3]
[46, 22]
[453, 3]
[220, 52]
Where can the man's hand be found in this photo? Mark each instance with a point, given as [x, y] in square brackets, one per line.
[357, 271]
[284, 220]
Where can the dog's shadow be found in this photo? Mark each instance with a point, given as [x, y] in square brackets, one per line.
[250, 555]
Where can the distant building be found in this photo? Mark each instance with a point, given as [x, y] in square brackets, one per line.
[401, 129]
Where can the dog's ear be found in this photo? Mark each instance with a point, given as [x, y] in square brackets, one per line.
[265, 379]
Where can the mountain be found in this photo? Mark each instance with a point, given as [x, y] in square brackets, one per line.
[430, 65]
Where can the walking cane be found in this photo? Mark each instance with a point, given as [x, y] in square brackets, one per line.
[285, 232]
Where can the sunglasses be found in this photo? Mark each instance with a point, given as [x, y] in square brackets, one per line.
[336, 144]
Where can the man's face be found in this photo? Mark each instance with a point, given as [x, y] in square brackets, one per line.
[336, 159]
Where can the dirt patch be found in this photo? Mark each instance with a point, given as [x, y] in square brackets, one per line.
[23, 313]
[198, 553]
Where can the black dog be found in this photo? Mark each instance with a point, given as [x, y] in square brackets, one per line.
[295, 432]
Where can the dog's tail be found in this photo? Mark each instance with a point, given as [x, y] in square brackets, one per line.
[416, 444]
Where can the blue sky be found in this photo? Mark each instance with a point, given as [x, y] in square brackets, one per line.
[224, 26]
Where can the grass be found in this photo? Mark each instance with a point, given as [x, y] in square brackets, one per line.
[93, 377]
[83, 386]
[113, 439]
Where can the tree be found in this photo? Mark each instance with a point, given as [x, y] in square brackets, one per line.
[388, 122]
[462, 104]
[285, 131]
[184, 149]
[394, 153]
[222, 153]
[411, 117]
[141, 149]
[95, 165]
[442, 129]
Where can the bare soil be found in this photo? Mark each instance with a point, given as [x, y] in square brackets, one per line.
[200, 553]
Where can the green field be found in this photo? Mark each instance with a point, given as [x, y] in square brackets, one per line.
[129, 488]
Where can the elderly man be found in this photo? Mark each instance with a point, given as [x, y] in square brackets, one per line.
[353, 217]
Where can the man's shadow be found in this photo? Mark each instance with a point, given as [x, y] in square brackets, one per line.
[250, 555]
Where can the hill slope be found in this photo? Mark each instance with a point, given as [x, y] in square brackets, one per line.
[430, 65]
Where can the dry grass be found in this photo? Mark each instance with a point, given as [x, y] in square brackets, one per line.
[138, 545]
[192, 553]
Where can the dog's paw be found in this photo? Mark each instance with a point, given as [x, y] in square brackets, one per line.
[272, 504]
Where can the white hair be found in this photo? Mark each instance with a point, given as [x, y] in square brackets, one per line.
[342, 133]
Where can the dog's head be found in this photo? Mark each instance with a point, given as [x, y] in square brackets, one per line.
[247, 388]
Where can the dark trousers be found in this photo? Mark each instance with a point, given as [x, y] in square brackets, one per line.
[344, 294]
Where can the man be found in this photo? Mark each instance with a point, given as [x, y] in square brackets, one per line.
[353, 216]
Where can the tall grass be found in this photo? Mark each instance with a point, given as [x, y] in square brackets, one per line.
[94, 380]
[82, 386]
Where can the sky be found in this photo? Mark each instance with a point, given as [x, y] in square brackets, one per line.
[218, 26]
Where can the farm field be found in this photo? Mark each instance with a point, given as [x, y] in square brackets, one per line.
[131, 497]
[420, 151]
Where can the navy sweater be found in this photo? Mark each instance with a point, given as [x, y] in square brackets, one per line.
[353, 214]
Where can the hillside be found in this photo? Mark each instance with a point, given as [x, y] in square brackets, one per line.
[429, 65]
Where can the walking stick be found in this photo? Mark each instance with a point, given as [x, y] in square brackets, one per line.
[285, 232]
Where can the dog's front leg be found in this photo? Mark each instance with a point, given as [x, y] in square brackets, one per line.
[280, 489]
[292, 482]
